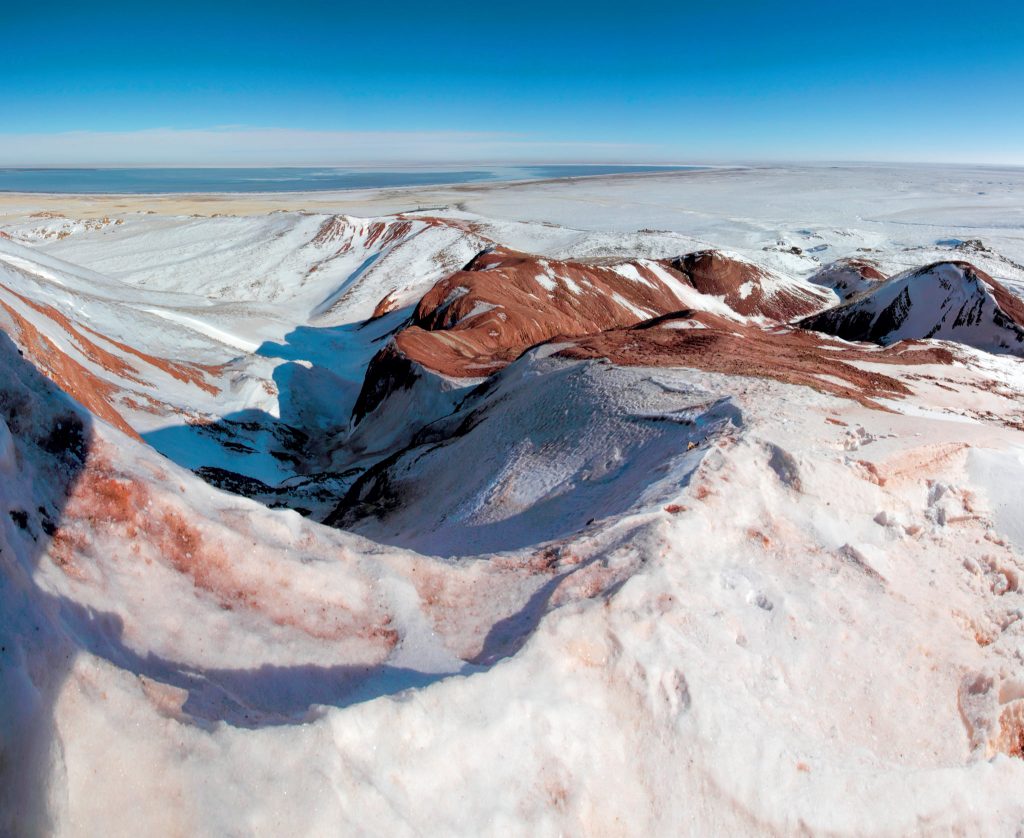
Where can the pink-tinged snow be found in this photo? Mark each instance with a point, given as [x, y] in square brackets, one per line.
[610, 600]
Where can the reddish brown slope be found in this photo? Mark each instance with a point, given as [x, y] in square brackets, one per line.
[125, 371]
[749, 289]
[481, 318]
[701, 340]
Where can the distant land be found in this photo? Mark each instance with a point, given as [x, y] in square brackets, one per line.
[163, 181]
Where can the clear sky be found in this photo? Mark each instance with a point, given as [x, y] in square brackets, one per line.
[635, 80]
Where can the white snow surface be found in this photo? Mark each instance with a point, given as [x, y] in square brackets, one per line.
[607, 600]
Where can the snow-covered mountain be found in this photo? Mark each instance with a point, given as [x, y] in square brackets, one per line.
[945, 301]
[309, 520]
[848, 277]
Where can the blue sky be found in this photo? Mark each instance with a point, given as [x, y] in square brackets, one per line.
[318, 82]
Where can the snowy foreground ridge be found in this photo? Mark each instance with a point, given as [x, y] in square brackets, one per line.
[447, 522]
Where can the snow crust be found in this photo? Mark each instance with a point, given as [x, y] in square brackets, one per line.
[573, 598]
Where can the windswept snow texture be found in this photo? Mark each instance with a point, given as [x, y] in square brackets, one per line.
[848, 277]
[521, 480]
[632, 506]
[945, 301]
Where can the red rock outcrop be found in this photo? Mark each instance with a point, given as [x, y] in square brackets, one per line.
[73, 378]
[483, 317]
[346, 231]
[749, 289]
[387, 304]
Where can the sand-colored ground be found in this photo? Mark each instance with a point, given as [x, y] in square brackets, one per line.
[15, 205]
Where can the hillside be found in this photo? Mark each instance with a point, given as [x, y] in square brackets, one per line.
[311, 519]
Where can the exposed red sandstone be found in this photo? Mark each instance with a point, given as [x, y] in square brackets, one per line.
[481, 318]
[748, 289]
[184, 371]
[387, 304]
[74, 379]
[345, 230]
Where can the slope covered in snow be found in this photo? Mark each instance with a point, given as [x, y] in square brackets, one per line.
[848, 277]
[658, 565]
[945, 301]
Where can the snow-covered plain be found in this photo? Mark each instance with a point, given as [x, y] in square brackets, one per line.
[576, 596]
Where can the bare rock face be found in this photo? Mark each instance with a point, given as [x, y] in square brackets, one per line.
[747, 288]
[849, 277]
[946, 300]
[389, 370]
[483, 317]
[504, 302]
[388, 303]
[342, 232]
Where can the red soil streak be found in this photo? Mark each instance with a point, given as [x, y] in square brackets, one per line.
[4, 235]
[870, 472]
[105, 501]
[471, 227]
[914, 464]
[339, 228]
[833, 421]
[1011, 730]
[179, 370]
[675, 509]
[98, 355]
[984, 639]
[742, 284]
[149, 405]
[74, 379]
[98, 395]
[384, 233]
[331, 230]
[63, 547]
[792, 356]
[586, 583]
